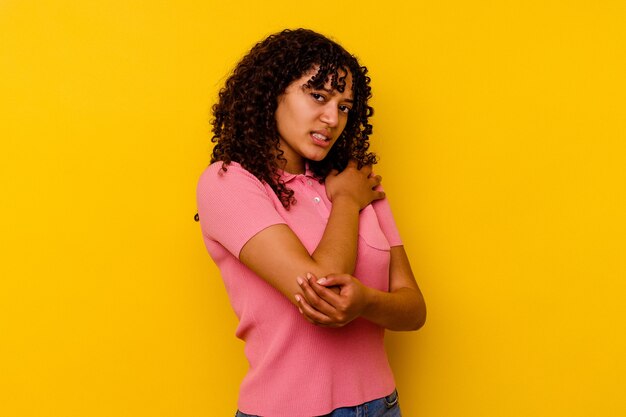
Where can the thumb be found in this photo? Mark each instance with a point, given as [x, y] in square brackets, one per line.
[331, 280]
[353, 163]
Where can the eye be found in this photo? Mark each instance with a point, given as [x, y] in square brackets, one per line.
[344, 109]
[318, 97]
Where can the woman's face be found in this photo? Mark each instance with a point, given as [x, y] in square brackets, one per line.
[309, 121]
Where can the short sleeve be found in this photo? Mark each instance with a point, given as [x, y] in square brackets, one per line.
[386, 222]
[233, 206]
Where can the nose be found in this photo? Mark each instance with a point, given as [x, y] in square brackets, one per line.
[330, 115]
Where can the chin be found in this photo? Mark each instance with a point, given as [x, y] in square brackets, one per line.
[317, 158]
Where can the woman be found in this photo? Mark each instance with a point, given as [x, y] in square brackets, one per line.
[304, 238]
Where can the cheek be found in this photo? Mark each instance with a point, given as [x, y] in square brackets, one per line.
[342, 124]
[282, 118]
[288, 115]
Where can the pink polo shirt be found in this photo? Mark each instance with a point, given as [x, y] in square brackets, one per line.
[296, 369]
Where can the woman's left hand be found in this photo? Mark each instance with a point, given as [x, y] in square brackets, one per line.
[333, 301]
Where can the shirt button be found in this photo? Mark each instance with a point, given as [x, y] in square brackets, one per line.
[317, 200]
[309, 182]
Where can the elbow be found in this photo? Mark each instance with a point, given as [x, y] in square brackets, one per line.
[412, 322]
[421, 320]
[419, 317]
[413, 316]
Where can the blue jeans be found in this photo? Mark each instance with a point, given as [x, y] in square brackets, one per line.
[383, 407]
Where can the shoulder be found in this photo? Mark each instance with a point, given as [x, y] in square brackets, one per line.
[218, 175]
[219, 170]
[233, 188]
[233, 205]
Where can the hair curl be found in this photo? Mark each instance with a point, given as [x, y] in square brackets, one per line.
[244, 124]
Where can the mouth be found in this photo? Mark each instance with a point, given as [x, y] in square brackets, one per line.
[321, 137]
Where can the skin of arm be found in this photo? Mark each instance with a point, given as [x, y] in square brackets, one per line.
[277, 255]
[402, 308]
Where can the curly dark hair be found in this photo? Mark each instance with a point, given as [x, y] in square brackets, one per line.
[244, 124]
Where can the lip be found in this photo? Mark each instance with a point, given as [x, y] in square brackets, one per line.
[324, 132]
[319, 142]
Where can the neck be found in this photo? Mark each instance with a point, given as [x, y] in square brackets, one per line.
[293, 167]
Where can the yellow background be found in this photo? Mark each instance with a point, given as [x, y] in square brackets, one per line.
[501, 128]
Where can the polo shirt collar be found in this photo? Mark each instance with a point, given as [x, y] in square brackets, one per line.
[288, 176]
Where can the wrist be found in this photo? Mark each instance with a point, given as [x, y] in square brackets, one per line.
[369, 301]
[345, 200]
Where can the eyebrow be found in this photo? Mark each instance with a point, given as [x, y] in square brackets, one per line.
[332, 91]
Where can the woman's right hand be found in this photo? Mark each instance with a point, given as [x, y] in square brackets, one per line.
[353, 183]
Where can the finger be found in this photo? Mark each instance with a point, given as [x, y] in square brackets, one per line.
[313, 298]
[367, 169]
[337, 279]
[307, 318]
[375, 180]
[353, 163]
[329, 295]
[311, 314]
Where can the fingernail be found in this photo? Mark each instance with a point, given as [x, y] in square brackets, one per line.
[301, 312]
[308, 275]
[321, 280]
[300, 280]
[298, 298]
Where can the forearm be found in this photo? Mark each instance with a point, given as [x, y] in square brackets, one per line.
[336, 252]
[402, 309]
[278, 256]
